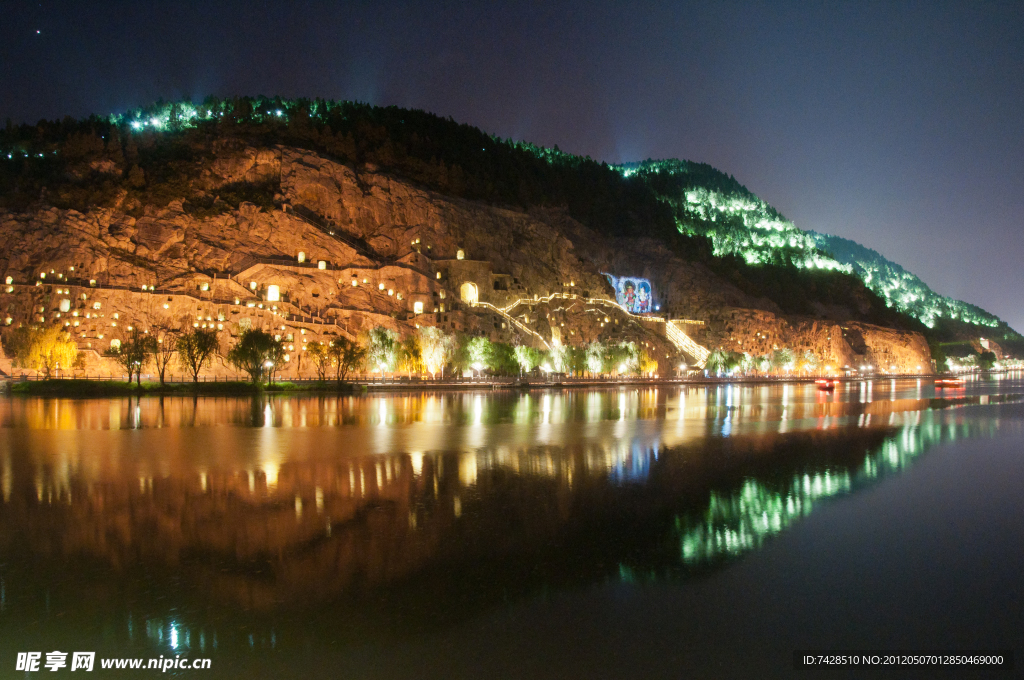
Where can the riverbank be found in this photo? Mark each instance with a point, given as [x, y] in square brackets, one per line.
[76, 387]
[113, 388]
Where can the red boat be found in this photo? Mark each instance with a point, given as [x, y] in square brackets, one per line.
[949, 383]
[825, 384]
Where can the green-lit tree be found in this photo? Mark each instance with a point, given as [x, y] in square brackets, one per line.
[381, 349]
[809, 362]
[746, 363]
[476, 353]
[624, 357]
[560, 358]
[717, 362]
[596, 358]
[501, 359]
[577, 360]
[782, 359]
[257, 353]
[732, 364]
[527, 357]
[764, 364]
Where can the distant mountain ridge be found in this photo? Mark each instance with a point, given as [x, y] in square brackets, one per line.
[710, 203]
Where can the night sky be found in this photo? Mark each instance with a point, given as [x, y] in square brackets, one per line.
[899, 127]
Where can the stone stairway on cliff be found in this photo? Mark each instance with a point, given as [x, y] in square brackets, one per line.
[684, 342]
[512, 320]
[673, 333]
[316, 221]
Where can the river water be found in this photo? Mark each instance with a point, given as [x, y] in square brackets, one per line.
[643, 532]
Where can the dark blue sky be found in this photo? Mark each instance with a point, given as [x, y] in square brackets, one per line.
[899, 126]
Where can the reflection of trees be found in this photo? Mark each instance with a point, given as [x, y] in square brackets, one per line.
[302, 531]
[265, 528]
[699, 406]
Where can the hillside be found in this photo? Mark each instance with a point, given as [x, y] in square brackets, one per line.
[229, 198]
[708, 203]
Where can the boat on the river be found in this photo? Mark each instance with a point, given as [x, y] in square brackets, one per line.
[949, 383]
[826, 384]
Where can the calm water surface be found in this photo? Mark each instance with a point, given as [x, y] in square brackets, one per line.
[614, 533]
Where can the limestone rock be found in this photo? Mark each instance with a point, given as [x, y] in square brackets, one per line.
[345, 250]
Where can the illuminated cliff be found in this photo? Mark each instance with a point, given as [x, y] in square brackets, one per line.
[316, 219]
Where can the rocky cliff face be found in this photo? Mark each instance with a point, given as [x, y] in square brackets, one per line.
[848, 344]
[342, 251]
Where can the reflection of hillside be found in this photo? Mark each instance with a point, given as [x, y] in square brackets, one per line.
[288, 517]
[738, 520]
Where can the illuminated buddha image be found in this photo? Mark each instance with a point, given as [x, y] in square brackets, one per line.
[643, 297]
[628, 295]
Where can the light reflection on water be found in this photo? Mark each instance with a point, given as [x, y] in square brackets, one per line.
[202, 516]
[742, 519]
